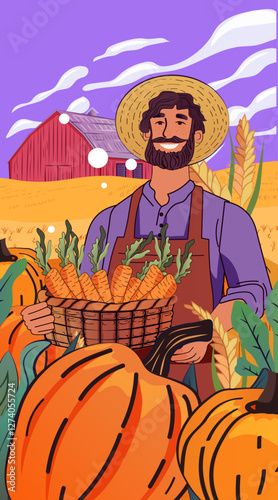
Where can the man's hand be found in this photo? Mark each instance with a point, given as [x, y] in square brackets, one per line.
[38, 319]
[194, 351]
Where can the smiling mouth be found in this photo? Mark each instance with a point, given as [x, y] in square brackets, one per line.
[169, 145]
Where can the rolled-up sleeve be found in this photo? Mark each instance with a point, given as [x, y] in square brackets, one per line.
[243, 260]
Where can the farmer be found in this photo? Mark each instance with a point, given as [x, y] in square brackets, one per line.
[172, 122]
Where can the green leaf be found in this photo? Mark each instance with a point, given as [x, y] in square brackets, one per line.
[261, 381]
[6, 287]
[72, 345]
[62, 250]
[232, 167]
[244, 377]
[216, 382]
[271, 309]
[190, 378]
[42, 240]
[8, 375]
[192, 495]
[256, 191]
[253, 334]
[67, 235]
[80, 259]
[28, 359]
[245, 368]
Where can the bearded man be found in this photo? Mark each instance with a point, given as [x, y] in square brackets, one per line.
[172, 122]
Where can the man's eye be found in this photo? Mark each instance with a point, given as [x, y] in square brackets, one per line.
[180, 123]
[159, 123]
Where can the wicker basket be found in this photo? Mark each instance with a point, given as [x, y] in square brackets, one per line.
[135, 324]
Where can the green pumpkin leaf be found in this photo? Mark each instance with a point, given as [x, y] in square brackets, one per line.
[245, 368]
[8, 381]
[28, 359]
[244, 377]
[192, 495]
[190, 378]
[216, 382]
[271, 309]
[6, 287]
[253, 334]
[72, 345]
[261, 381]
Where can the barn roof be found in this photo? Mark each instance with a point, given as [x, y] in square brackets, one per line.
[100, 133]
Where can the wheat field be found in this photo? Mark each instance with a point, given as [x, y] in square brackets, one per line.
[24, 206]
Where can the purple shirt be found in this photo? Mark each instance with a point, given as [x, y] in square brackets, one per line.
[234, 247]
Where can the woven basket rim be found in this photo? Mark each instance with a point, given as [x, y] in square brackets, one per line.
[90, 306]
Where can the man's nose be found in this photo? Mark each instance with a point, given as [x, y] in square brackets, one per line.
[168, 130]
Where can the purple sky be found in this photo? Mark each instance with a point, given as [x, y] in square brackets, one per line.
[43, 39]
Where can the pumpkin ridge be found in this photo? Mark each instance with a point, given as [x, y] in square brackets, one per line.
[213, 458]
[262, 482]
[84, 360]
[31, 416]
[132, 400]
[182, 458]
[55, 444]
[103, 469]
[201, 473]
[156, 474]
[172, 412]
[170, 486]
[14, 331]
[218, 423]
[103, 375]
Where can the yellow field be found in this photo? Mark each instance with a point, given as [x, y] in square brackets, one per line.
[24, 206]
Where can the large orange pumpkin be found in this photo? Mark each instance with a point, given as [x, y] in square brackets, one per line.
[14, 336]
[228, 450]
[98, 424]
[28, 284]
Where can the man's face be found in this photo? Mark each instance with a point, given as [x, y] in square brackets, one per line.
[170, 140]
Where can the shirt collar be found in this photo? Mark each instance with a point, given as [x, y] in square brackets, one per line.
[175, 197]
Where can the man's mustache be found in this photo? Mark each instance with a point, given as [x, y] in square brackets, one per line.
[173, 139]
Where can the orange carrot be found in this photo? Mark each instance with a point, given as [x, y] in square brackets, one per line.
[163, 290]
[119, 283]
[88, 288]
[152, 278]
[100, 280]
[70, 277]
[56, 285]
[132, 287]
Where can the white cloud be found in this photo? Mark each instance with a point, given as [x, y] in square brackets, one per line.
[264, 100]
[242, 30]
[126, 45]
[252, 66]
[272, 131]
[80, 105]
[66, 81]
[20, 125]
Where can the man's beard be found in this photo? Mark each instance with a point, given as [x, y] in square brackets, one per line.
[171, 160]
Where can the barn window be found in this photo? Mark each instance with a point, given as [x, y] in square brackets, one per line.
[120, 170]
[137, 173]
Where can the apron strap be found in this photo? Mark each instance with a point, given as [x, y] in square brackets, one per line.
[134, 203]
[196, 214]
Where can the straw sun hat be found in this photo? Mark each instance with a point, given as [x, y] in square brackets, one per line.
[136, 101]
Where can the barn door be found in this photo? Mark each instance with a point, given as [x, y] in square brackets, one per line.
[64, 172]
[51, 172]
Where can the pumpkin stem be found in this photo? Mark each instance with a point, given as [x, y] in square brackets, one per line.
[268, 400]
[5, 255]
[158, 360]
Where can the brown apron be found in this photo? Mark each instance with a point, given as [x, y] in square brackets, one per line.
[195, 286]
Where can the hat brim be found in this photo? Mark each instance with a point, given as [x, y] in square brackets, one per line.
[136, 101]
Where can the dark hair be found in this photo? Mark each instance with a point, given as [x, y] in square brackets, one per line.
[167, 100]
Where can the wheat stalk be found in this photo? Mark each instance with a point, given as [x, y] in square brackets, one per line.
[203, 176]
[224, 349]
[80, 342]
[244, 168]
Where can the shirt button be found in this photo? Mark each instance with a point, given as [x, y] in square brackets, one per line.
[159, 234]
[161, 214]
[161, 225]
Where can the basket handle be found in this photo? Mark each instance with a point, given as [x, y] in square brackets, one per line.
[158, 360]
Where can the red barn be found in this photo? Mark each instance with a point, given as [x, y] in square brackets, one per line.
[56, 151]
